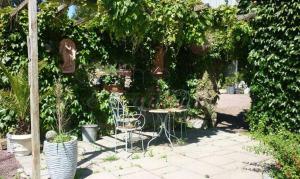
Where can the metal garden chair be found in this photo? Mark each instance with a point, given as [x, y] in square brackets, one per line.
[184, 104]
[125, 120]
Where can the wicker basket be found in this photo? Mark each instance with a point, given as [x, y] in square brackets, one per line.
[61, 159]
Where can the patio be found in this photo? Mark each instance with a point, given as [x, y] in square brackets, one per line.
[217, 153]
[208, 154]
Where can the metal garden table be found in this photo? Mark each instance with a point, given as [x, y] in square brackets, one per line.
[164, 115]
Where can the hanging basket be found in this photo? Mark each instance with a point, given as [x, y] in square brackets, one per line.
[67, 51]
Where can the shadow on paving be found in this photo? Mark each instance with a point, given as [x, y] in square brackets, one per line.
[232, 123]
[225, 122]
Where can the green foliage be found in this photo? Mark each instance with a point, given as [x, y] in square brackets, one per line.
[111, 158]
[165, 98]
[83, 103]
[61, 138]
[16, 99]
[121, 32]
[232, 79]
[275, 67]
[285, 148]
[204, 96]
[8, 122]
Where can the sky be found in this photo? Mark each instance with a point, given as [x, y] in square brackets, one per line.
[216, 3]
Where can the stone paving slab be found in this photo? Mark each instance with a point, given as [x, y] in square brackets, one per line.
[222, 155]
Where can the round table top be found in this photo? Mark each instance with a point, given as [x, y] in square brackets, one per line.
[168, 110]
[177, 110]
[158, 111]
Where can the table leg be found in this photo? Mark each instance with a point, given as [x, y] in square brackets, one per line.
[159, 133]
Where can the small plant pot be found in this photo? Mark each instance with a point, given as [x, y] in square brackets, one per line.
[114, 88]
[61, 158]
[20, 145]
[89, 133]
[230, 89]
[124, 72]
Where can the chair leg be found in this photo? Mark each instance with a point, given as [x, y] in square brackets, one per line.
[185, 124]
[174, 122]
[142, 141]
[130, 140]
[116, 141]
[153, 125]
[126, 141]
[181, 135]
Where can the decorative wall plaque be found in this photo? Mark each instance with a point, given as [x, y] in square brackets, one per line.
[67, 51]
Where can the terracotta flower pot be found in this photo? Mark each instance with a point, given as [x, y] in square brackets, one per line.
[114, 88]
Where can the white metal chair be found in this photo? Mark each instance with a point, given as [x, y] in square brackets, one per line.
[125, 120]
[184, 104]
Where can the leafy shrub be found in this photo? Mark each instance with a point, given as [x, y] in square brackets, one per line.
[8, 121]
[204, 95]
[165, 97]
[285, 148]
[275, 67]
[83, 104]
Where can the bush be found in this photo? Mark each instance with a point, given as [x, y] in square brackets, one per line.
[204, 97]
[285, 148]
[275, 67]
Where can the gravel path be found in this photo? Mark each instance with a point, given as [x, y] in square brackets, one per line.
[8, 165]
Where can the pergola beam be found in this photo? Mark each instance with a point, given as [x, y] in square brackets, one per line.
[19, 8]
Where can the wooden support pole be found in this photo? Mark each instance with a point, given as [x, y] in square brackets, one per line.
[34, 88]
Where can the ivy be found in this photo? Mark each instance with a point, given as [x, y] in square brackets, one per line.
[122, 32]
[275, 67]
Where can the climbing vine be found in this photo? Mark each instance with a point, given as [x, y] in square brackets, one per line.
[121, 32]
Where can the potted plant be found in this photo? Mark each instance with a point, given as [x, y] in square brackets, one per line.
[113, 83]
[230, 84]
[61, 149]
[124, 71]
[89, 130]
[17, 100]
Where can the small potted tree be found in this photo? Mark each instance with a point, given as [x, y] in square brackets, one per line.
[60, 148]
[17, 100]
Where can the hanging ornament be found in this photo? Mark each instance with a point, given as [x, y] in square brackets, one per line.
[67, 51]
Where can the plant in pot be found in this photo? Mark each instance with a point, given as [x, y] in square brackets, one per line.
[16, 99]
[230, 82]
[113, 83]
[89, 129]
[60, 148]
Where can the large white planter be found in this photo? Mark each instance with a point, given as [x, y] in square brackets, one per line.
[61, 159]
[20, 145]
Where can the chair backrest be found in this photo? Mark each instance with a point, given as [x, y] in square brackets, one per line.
[121, 115]
[183, 97]
[117, 107]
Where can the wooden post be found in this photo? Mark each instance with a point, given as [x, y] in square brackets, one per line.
[34, 88]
